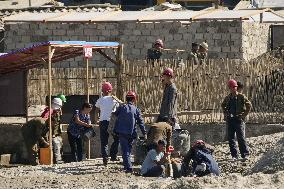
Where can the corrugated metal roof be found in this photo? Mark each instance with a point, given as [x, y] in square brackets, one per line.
[117, 16]
[34, 56]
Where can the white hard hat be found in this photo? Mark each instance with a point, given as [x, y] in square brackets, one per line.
[57, 101]
[204, 45]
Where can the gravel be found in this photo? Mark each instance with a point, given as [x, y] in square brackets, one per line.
[266, 157]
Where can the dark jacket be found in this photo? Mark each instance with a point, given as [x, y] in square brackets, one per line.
[128, 115]
[198, 156]
[242, 106]
[159, 131]
[169, 102]
[154, 54]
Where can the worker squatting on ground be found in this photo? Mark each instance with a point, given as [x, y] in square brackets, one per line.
[155, 53]
[78, 124]
[159, 131]
[236, 107]
[169, 100]
[105, 105]
[154, 163]
[203, 162]
[55, 127]
[128, 115]
[32, 133]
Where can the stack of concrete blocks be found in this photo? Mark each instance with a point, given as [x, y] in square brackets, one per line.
[226, 39]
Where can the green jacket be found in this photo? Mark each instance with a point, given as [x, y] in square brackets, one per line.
[243, 106]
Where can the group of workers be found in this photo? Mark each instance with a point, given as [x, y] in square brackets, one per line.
[198, 54]
[119, 119]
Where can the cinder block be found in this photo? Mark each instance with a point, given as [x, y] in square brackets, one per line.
[5, 159]
[177, 37]
[136, 32]
[236, 36]
[198, 36]
[226, 49]
[135, 51]
[59, 32]
[217, 36]
[235, 49]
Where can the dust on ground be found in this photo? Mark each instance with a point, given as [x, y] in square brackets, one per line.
[266, 154]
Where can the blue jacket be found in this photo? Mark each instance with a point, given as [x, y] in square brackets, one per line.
[76, 129]
[128, 116]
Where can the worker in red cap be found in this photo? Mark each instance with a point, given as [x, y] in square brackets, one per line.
[128, 116]
[203, 162]
[105, 105]
[155, 53]
[236, 107]
[169, 101]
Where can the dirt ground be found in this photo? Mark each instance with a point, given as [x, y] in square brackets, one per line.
[266, 157]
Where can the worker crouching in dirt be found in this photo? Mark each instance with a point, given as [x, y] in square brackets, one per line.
[55, 127]
[128, 116]
[154, 163]
[203, 162]
[159, 131]
[77, 127]
[32, 132]
[169, 100]
[236, 107]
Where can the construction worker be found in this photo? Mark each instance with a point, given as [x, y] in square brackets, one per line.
[203, 52]
[64, 100]
[236, 107]
[154, 163]
[155, 53]
[128, 116]
[194, 54]
[203, 162]
[169, 100]
[55, 127]
[159, 131]
[105, 105]
[80, 121]
[32, 133]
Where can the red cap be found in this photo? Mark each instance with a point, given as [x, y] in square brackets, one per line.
[232, 83]
[198, 143]
[159, 42]
[169, 72]
[106, 87]
[131, 94]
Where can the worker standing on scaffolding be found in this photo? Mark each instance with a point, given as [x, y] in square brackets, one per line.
[154, 54]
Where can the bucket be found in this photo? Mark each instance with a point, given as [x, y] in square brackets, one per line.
[44, 156]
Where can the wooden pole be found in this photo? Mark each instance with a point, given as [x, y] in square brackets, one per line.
[27, 96]
[119, 57]
[88, 100]
[49, 103]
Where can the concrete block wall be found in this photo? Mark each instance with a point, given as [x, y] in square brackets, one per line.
[226, 39]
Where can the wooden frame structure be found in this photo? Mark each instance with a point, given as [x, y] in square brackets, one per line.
[54, 51]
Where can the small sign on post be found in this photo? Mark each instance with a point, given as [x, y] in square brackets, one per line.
[88, 51]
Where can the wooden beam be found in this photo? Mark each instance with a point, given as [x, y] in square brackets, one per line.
[254, 13]
[107, 57]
